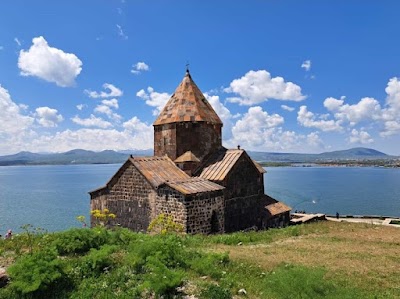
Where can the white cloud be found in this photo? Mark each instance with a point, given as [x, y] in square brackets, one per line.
[258, 86]
[140, 67]
[17, 41]
[106, 108]
[255, 127]
[313, 139]
[361, 136]
[48, 117]
[287, 108]
[81, 106]
[12, 119]
[306, 65]
[366, 109]
[308, 119]
[121, 32]
[92, 139]
[154, 99]
[113, 92]
[113, 103]
[258, 130]
[92, 121]
[48, 63]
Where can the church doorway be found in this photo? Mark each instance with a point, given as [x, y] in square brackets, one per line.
[214, 222]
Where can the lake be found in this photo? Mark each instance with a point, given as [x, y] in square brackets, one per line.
[50, 197]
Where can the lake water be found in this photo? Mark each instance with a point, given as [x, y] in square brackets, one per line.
[50, 197]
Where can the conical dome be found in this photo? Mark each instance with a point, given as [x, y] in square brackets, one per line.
[187, 104]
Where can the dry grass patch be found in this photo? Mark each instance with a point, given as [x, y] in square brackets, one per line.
[363, 254]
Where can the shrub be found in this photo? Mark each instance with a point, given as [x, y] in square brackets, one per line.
[164, 224]
[78, 241]
[36, 273]
[209, 264]
[98, 260]
[212, 291]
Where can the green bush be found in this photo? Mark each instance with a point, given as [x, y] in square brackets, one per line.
[211, 264]
[36, 273]
[78, 241]
[213, 291]
[161, 280]
[98, 260]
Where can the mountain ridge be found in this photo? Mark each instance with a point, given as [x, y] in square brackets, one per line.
[81, 156]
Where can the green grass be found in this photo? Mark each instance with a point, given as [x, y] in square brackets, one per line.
[100, 263]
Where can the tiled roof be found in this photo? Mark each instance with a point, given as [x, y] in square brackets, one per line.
[194, 185]
[259, 167]
[187, 157]
[277, 208]
[187, 104]
[158, 170]
[220, 164]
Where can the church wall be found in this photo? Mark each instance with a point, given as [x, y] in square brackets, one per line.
[165, 140]
[199, 137]
[130, 197]
[194, 212]
[175, 139]
[244, 204]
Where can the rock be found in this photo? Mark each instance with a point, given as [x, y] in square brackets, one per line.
[4, 279]
[242, 292]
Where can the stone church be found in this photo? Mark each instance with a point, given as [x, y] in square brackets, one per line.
[192, 177]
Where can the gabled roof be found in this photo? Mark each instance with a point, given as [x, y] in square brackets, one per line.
[187, 104]
[218, 165]
[277, 208]
[158, 170]
[187, 157]
[194, 185]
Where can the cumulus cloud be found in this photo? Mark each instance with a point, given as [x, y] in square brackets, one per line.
[81, 106]
[112, 92]
[92, 139]
[12, 119]
[366, 109]
[258, 130]
[361, 136]
[139, 67]
[121, 32]
[48, 117]
[258, 86]
[48, 63]
[306, 65]
[106, 108]
[154, 99]
[308, 119]
[287, 108]
[255, 127]
[92, 121]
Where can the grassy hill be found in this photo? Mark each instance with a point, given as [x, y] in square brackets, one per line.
[319, 260]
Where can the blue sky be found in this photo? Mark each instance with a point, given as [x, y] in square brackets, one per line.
[284, 76]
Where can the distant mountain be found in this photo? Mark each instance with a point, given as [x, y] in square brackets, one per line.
[76, 156]
[80, 156]
[357, 152]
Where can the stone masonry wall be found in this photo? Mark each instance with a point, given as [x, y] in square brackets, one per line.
[165, 140]
[206, 213]
[244, 204]
[175, 139]
[194, 212]
[130, 197]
